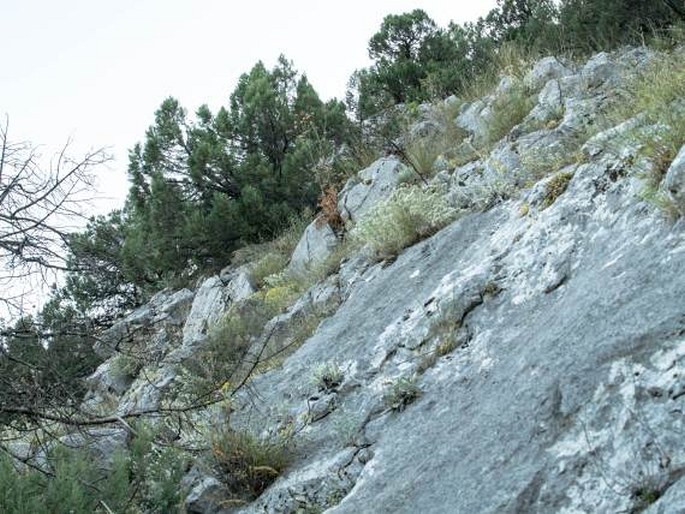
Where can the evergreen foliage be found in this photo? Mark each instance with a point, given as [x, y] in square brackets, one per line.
[202, 188]
[415, 60]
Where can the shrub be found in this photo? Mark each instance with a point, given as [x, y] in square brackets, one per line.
[656, 94]
[328, 202]
[401, 393]
[555, 187]
[248, 464]
[508, 110]
[409, 215]
[126, 365]
[146, 479]
[327, 377]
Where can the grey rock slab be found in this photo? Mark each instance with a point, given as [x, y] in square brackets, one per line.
[550, 102]
[424, 129]
[589, 291]
[474, 118]
[317, 242]
[479, 438]
[546, 69]
[601, 70]
[173, 309]
[238, 283]
[205, 493]
[207, 308]
[373, 184]
[123, 331]
[106, 378]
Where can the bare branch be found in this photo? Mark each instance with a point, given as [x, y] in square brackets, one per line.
[39, 206]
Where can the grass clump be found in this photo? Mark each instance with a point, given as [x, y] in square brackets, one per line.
[423, 152]
[555, 187]
[247, 463]
[272, 257]
[656, 94]
[213, 365]
[126, 365]
[327, 377]
[401, 393]
[508, 110]
[408, 216]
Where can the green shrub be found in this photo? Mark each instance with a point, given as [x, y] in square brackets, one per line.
[248, 464]
[401, 393]
[508, 110]
[126, 365]
[409, 215]
[144, 479]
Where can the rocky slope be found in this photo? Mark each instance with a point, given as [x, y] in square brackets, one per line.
[529, 357]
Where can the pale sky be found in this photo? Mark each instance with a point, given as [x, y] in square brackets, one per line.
[96, 71]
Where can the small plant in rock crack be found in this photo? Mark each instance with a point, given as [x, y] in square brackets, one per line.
[555, 187]
[401, 393]
[644, 495]
[248, 464]
[328, 376]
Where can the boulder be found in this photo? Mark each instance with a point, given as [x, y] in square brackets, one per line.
[545, 70]
[600, 70]
[208, 306]
[108, 379]
[474, 118]
[675, 181]
[317, 242]
[371, 185]
[205, 493]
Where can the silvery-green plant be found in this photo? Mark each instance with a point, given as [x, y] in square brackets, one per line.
[327, 376]
[411, 214]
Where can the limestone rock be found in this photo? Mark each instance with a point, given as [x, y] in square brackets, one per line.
[545, 70]
[206, 493]
[545, 338]
[316, 244]
[371, 185]
[474, 118]
[675, 181]
[600, 70]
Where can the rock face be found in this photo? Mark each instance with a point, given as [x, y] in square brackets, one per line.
[369, 187]
[570, 360]
[529, 357]
[317, 243]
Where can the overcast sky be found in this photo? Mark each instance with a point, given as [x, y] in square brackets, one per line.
[96, 71]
